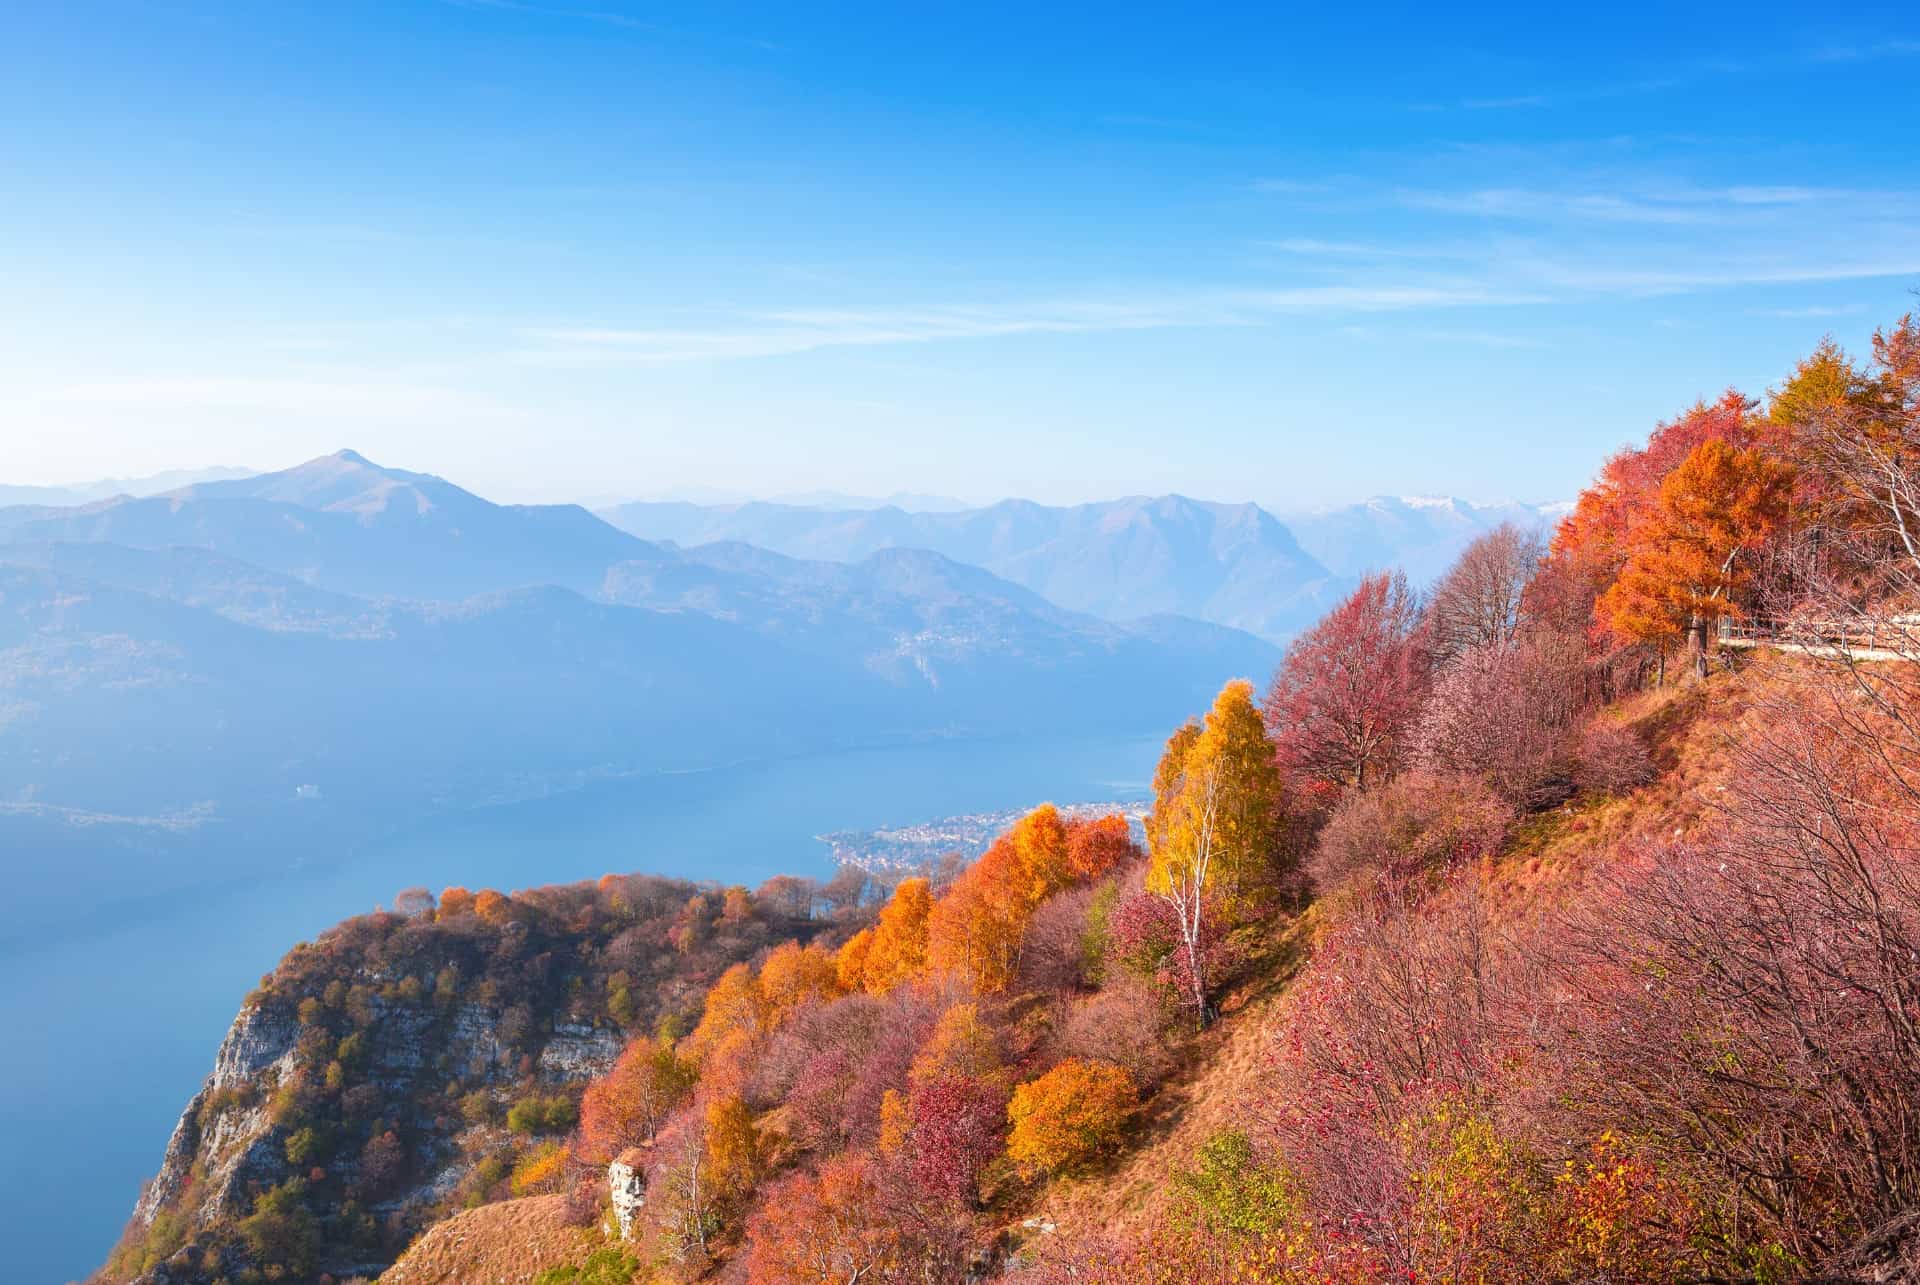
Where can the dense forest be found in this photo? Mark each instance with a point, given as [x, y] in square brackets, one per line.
[1561, 922]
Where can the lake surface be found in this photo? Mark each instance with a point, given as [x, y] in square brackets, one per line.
[109, 1035]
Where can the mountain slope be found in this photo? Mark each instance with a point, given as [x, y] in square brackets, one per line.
[343, 523]
[1230, 564]
[1421, 535]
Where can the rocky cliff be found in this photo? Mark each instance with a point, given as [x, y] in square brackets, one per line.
[404, 1066]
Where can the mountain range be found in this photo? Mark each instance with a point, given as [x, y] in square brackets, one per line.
[306, 656]
[1233, 564]
[106, 488]
[1421, 535]
[351, 647]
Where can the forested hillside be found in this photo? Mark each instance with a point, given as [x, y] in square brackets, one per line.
[1561, 923]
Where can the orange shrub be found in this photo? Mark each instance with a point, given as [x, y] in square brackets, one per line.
[1069, 1117]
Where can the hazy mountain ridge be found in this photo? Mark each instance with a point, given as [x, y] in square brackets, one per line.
[344, 524]
[510, 652]
[1420, 534]
[1230, 564]
[1238, 565]
[73, 493]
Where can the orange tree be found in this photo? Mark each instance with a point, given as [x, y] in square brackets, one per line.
[1069, 1117]
[1688, 561]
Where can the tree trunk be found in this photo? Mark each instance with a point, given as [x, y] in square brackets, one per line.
[1697, 636]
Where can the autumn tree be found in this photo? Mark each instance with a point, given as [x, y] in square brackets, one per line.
[962, 1046]
[454, 902]
[734, 1003]
[825, 1228]
[1098, 846]
[1826, 380]
[683, 1204]
[1482, 597]
[898, 951]
[1591, 544]
[733, 1146]
[977, 927]
[1183, 877]
[1069, 1117]
[628, 1105]
[1509, 713]
[1347, 694]
[1686, 566]
[957, 1123]
[1166, 780]
[850, 961]
[1866, 453]
[852, 1222]
[1228, 782]
[793, 976]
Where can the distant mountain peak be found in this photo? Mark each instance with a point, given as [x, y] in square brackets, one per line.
[351, 456]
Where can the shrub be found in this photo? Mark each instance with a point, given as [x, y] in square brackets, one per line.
[1419, 821]
[1231, 1191]
[608, 1265]
[1069, 1117]
[540, 1170]
[1143, 932]
[1124, 1023]
[280, 1232]
[1611, 759]
[538, 1114]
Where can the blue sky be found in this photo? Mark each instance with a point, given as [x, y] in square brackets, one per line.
[599, 247]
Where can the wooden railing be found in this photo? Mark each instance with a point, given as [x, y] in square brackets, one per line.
[1889, 637]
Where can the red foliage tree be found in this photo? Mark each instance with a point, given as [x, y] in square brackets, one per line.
[1344, 702]
[956, 1132]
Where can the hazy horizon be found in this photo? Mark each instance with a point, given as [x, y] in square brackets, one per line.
[713, 493]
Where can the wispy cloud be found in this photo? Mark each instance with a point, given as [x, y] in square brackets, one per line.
[1530, 203]
[781, 333]
[1819, 310]
[1896, 48]
[1483, 338]
[605, 17]
[1314, 248]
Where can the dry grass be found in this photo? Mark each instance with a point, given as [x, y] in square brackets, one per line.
[508, 1243]
[1226, 1069]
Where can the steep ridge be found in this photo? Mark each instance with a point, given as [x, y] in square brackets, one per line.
[401, 1066]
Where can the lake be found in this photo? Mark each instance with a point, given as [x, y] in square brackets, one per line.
[110, 1034]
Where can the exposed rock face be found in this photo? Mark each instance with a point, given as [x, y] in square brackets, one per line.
[226, 1147]
[579, 1052]
[627, 1186]
[226, 1122]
